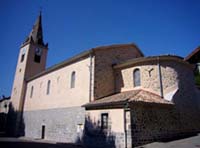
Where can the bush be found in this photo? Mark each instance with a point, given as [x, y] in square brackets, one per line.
[197, 78]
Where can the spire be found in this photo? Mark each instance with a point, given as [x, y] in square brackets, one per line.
[36, 34]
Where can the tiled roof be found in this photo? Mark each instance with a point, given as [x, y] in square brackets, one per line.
[132, 96]
[192, 55]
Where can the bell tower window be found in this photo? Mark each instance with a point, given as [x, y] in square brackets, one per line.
[37, 59]
[22, 58]
[38, 53]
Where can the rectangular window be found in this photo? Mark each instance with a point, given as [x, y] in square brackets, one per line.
[22, 57]
[43, 132]
[104, 121]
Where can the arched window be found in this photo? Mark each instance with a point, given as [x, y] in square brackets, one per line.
[48, 87]
[31, 94]
[73, 78]
[136, 77]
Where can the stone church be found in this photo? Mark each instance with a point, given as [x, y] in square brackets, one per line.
[110, 96]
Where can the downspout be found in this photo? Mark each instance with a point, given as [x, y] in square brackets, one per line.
[90, 80]
[160, 78]
[126, 108]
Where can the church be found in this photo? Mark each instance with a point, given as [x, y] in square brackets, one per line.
[108, 96]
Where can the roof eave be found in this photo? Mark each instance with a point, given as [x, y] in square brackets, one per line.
[62, 64]
[148, 59]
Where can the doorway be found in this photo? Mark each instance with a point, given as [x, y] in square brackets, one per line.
[43, 132]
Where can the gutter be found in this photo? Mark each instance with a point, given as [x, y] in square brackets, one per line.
[126, 108]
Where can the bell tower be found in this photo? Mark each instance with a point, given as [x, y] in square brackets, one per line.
[31, 61]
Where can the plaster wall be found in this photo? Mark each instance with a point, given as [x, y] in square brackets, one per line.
[24, 70]
[61, 95]
[114, 136]
[115, 118]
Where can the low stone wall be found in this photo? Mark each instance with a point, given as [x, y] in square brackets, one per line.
[106, 140]
[60, 124]
[159, 123]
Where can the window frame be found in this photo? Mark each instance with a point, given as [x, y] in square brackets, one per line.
[104, 121]
[136, 77]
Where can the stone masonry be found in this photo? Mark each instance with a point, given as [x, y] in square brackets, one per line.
[60, 124]
[105, 59]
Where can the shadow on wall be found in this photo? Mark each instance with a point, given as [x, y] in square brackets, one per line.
[94, 136]
[15, 126]
[3, 118]
[186, 101]
[119, 82]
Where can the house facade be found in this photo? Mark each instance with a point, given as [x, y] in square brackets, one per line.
[106, 96]
[4, 108]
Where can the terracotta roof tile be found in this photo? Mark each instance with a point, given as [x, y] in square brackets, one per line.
[192, 54]
[129, 96]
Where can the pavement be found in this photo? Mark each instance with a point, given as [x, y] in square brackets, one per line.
[191, 142]
[6, 142]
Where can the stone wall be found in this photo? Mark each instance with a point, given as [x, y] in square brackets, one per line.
[61, 125]
[175, 76]
[149, 74]
[156, 123]
[152, 123]
[105, 140]
[159, 123]
[104, 81]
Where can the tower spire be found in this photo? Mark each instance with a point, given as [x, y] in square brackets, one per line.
[36, 34]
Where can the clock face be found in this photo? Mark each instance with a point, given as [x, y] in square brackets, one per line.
[23, 50]
[38, 51]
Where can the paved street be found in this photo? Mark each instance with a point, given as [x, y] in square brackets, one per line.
[191, 142]
[29, 143]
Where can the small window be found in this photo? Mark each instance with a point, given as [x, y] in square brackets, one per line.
[48, 87]
[136, 77]
[73, 78]
[31, 94]
[22, 57]
[104, 121]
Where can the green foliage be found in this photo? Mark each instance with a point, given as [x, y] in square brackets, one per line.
[197, 78]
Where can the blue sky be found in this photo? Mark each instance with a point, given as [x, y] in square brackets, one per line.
[72, 26]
